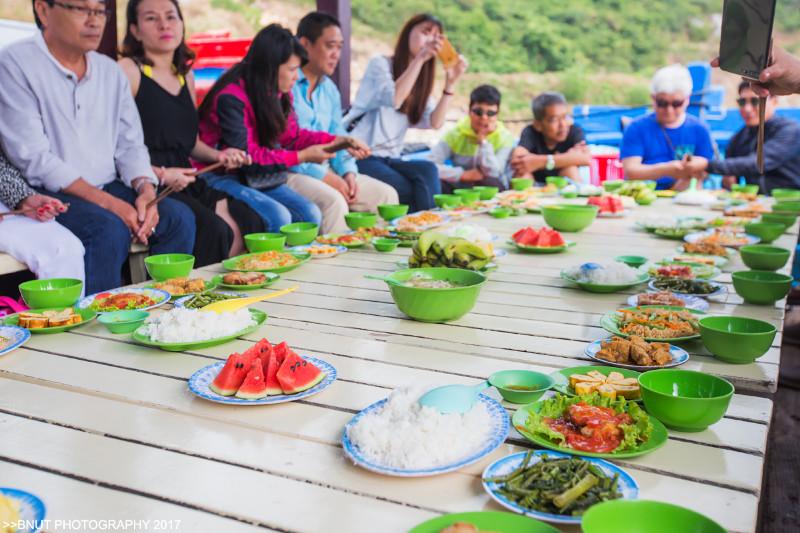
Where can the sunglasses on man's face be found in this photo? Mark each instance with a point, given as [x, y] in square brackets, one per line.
[663, 104]
[477, 111]
[753, 101]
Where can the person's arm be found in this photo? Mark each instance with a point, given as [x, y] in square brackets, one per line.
[130, 153]
[440, 153]
[526, 162]
[778, 148]
[343, 163]
[493, 164]
[13, 187]
[636, 170]
[452, 75]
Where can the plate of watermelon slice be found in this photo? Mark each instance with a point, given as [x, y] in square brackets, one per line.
[262, 375]
[542, 241]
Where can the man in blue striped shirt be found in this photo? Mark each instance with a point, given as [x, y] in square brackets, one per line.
[336, 187]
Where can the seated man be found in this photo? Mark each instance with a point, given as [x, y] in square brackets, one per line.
[70, 125]
[781, 147]
[552, 145]
[479, 146]
[668, 146]
[336, 187]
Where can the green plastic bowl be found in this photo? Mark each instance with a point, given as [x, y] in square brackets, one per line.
[761, 287]
[356, 220]
[570, 218]
[162, 267]
[436, 305]
[559, 181]
[613, 186]
[447, 201]
[300, 233]
[392, 211]
[572, 194]
[736, 339]
[54, 292]
[767, 231]
[786, 194]
[787, 208]
[645, 516]
[685, 400]
[264, 242]
[383, 244]
[633, 261]
[501, 212]
[651, 185]
[487, 192]
[787, 220]
[532, 385]
[468, 196]
[123, 321]
[520, 184]
[764, 257]
[747, 189]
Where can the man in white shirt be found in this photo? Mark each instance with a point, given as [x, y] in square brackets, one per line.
[70, 125]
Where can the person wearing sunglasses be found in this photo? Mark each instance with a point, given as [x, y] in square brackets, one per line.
[478, 147]
[668, 145]
[552, 145]
[781, 147]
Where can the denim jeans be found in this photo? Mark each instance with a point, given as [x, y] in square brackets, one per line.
[415, 181]
[107, 239]
[277, 206]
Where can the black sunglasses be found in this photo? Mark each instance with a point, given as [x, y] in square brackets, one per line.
[480, 112]
[665, 103]
[753, 101]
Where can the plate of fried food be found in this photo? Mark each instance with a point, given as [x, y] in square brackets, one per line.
[669, 298]
[245, 281]
[54, 320]
[271, 261]
[635, 353]
[178, 287]
[654, 323]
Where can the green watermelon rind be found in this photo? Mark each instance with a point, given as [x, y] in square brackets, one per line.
[313, 383]
[222, 392]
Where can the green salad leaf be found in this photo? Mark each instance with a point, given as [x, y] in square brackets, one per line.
[636, 433]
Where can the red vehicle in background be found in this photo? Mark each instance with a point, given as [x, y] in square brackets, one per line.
[216, 52]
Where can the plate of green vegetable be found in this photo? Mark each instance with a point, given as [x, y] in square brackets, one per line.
[198, 301]
[555, 487]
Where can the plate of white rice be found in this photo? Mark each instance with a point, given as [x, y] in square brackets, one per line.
[398, 437]
[184, 329]
[612, 277]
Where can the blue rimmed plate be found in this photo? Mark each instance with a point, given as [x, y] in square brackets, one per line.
[504, 466]
[689, 300]
[14, 336]
[160, 297]
[751, 239]
[497, 435]
[679, 356]
[720, 289]
[199, 384]
[31, 509]
[306, 248]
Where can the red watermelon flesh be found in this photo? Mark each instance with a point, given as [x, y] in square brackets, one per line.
[296, 374]
[250, 355]
[230, 377]
[527, 237]
[254, 386]
[549, 237]
[276, 358]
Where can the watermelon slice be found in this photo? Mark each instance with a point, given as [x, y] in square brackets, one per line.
[296, 374]
[276, 357]
[250, 355]
[550, 237]
[254, 386]
[526, 237]
[230, 377]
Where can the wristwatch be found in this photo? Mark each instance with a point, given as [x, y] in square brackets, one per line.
[551, 162]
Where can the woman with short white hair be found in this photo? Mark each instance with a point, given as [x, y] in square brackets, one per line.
[668, 145]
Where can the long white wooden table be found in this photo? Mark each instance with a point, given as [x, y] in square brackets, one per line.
[102, 428]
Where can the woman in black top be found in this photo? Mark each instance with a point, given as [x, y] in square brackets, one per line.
[157, 63]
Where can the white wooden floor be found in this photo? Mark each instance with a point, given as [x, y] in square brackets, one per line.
[99, 427]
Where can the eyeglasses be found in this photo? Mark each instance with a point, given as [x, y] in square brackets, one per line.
[477, 111]
[753, 101]
[86, 12]
[676, 104]
[555, 120]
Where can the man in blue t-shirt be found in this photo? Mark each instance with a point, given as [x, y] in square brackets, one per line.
[668, 145]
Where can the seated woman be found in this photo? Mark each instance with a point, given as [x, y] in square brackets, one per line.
[48, 249]
[479, 146]
[157, 63]
[250, 108]
[394, 96]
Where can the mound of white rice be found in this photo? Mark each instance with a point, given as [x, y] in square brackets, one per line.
[403, 434]
[192, 325]
[611, 274]
[469, 232]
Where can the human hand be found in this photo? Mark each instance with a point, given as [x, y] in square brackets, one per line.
[147, 217]
[314, 154]
[42, 208]
[729, 181]
[177, 178]
[454, 73]
[234, 158]
[471, 176]
[431, 49]
[358, 148]
[338, 183]
[522, 163]
[581, 148]
[781, 77]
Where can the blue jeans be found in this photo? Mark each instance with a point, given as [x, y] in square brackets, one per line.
[277, 206]
[415, 181]
[107, 239]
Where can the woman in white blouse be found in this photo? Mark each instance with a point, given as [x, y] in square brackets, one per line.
[394, 95]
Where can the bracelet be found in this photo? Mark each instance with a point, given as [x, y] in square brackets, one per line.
[448, 93]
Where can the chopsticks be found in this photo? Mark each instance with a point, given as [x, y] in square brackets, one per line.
[209, 168]
[762, 109]
[163, 194]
